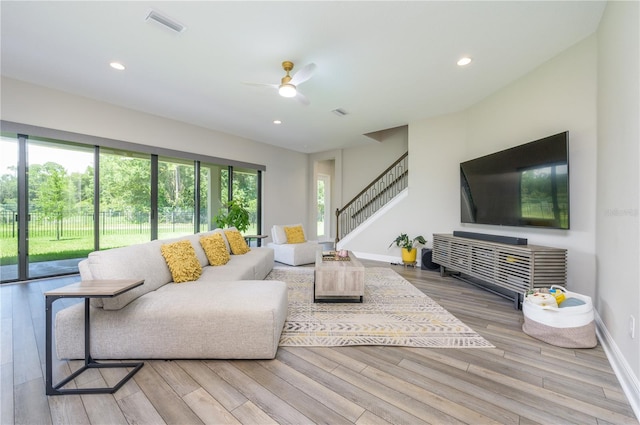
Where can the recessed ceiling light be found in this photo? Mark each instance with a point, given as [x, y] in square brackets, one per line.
[277, 122]
[464, 61]
[117, 65]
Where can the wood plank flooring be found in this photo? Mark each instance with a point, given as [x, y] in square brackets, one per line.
[521, 381]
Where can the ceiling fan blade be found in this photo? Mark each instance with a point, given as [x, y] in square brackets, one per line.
[273, 86]
[303, 75]
[302, 98]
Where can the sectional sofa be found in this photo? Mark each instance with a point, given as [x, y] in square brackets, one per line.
[228, 312]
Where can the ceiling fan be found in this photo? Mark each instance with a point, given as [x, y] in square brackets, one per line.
[288, 86]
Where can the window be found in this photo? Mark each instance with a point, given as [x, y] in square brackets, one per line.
[323, 186]
[214, 190]
[125, 198]
[245, 188]
[143, 193]
[176, 197]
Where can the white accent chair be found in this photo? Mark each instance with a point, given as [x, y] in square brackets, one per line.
[293, 254]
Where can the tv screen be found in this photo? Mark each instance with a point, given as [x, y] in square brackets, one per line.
[527, 185]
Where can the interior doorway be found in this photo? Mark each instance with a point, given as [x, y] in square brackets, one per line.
[324, 185]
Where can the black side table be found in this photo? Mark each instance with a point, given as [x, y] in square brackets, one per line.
[87, 290]
[258, 239]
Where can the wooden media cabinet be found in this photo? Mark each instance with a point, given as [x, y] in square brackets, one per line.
[509, 270]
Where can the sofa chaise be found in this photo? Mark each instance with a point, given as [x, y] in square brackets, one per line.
[229, 312]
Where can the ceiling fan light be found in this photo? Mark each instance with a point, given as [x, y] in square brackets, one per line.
[287, 90]
[116, 65]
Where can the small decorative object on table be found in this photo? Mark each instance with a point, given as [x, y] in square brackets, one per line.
[342, 255]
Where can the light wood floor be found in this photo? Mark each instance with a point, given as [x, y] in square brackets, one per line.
[521, 381]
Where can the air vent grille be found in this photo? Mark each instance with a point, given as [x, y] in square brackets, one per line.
[167, 22]
[339, 112]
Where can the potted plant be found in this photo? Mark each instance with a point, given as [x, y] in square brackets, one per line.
[408, 246]
[233, 214]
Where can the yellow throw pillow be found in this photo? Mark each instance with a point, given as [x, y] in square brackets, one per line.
[236, 242]
[215, 249]
[182, 261]
[295, 234]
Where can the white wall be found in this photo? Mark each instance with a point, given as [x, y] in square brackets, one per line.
[592, 90]
[368, 162]
[560, 95]
[285, 180]
[618, 182]
[365, 163]
[424, 210]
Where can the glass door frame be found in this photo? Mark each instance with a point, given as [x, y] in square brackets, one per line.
[23, 211]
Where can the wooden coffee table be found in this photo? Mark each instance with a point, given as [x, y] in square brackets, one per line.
[338, 280]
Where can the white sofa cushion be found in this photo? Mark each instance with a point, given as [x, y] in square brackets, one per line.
[295, 254]
[141, 261]
[145, 261]
[223, 320]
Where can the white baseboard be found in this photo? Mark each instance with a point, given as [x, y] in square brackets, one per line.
[378, 257]
[628, 381]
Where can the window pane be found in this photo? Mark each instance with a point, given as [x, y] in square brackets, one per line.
[8, 208]
[224, 185]
[320, 214]
[175, 197]
[125, 198]
[213, 189]
[323, 184]
[245, 188]
[60, 201]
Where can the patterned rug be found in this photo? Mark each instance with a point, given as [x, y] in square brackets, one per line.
[394, 312]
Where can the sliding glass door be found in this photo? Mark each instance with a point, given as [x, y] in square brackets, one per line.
[61, 200]
[214, 189]
[60, 206]
[246, 189]
[176, 197]
[125, 198]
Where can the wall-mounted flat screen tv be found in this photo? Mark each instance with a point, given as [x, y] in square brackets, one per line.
[527, 185]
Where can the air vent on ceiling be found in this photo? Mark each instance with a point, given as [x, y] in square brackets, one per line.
[167, 22]
[340, 112]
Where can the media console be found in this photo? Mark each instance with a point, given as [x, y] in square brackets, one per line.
[505, 269]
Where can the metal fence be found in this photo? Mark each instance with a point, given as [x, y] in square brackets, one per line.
[82, 225]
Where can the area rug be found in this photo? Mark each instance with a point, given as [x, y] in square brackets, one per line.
[394, 312]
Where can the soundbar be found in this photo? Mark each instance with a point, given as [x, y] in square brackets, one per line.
[509, 240]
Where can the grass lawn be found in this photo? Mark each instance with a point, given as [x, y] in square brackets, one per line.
[47, 248]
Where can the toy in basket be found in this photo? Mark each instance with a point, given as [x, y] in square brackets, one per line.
[559, 317]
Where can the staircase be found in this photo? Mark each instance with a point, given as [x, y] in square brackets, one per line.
[381, 190]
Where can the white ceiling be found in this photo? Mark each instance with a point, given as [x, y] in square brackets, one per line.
[386, 63]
